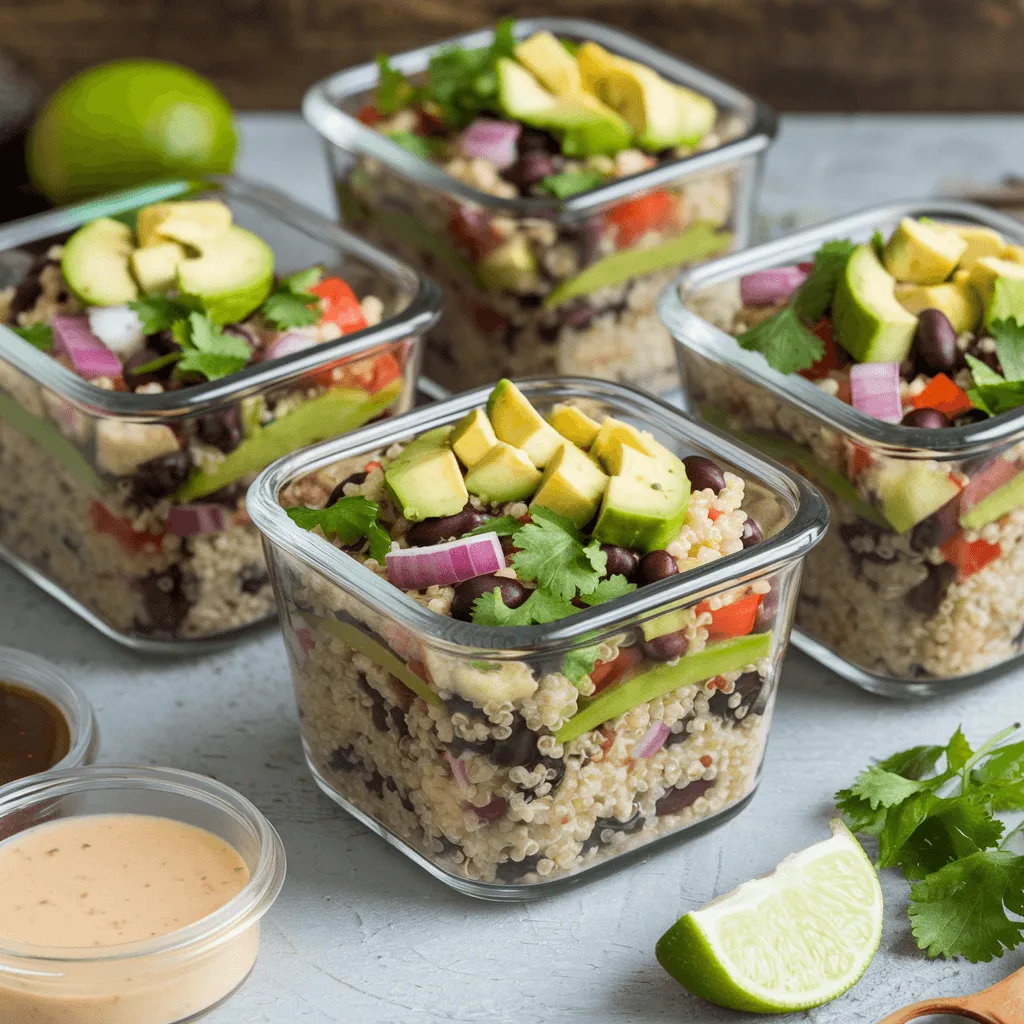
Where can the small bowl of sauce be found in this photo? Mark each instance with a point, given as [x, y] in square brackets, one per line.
[129, 895]
[45, 720]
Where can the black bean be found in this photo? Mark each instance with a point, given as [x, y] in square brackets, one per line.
[751, 533]
[166, 599]
[344, 759]
[665, 648]
[442, 528]
[519, 749]
[513, 871]
[252, 578]
[513, 593]
[28, 291]
[679, 799]
[634, 824]
[766, 610]
[930, 419]
[621, 561]
[748, 686]
[160, 477]
[339, 491]
[220, 429]
[136, 380]
[655, 566]
[533, 140]
[508, 546]
[927, 596]
[703, 473]
[937, 528]
[935, 346]
[530, 169]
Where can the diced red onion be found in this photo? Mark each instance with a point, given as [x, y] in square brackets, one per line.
[298, 638]
[89, 356]
[766, 287]
[875, 390]
[192, 520]
[653, 741]
[459, 773]
[491, 140]
[989, 478]
[288, 344]
[445, 564]
[119, 328]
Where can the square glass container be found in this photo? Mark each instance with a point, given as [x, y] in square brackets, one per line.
[582, 299]
[457, 743]
[88, 498]
[885, 609]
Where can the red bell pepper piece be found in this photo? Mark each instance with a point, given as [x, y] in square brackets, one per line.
[736, 619]
[942, 394]
[713, 514]
[340, 304]
[368, 114]
[830, 359]
[473, 232]
[968, 557]
[858, 458]
[104, 521]
[609, 672]
[635, 217]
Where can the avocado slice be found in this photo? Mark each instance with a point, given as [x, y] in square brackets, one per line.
[156, 267]
[645, 502]
[195, 222]
[912, 491]
[995, 505]
[512, 267]
[867, 319]
[505, 473]
[517, 423]
[922, 253]
[572, 485]
[715, 660]
[95, 263]
[1013, 254]
[425, 480]
[612, 436]
[574, 424]
[957, 299]
[550, 62]
[698, 242]
[1000, 283]
[981, 242]
[335, 412]
[473, 437]
[231, 277]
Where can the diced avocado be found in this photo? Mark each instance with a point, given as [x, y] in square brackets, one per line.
[549, 61]
[517, 423]
[715, 660]
[572, 485]
[335, 412]
[611, 436]
[193, 222]
[425, 480]
[95, 263]
[921, 253]
[867, 319]
[959, 301]
[980, 241]
[231, 277]
[995, 505]
[156, 267]
[574, 424]
[911, 491]
[1013, 254]
[645, 503]
[505, 473]
[520, 95]
[512, 267]
[1000, 283]
[473, 437]
[698, 242]
[670, 622]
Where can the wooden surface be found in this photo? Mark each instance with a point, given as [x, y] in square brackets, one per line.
[839, 55]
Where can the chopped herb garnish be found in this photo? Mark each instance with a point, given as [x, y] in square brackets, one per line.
[157, 364]
[349, 519]
[38, 335]
[291, 304]
[815, 295]
[552, 552]
[394, 92]
[571, 183]
[415, 144]
[608, 589]
[160, 313]
[540, 606]
[503, 526]
[208, 350]
[580, 663]
[993, 393]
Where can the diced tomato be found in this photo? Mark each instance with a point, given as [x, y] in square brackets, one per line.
[858, 458]
[968, 557]
[713, 514]
[612, 671]
[806, 267]
[942, 394]
[830, 359]
[340, 304]
[371, 466]
[845, 394]
[429, 123]
[386, 368]
[368, 114]
[736, 619]
[635, 217]
[473, 232]
[104, 521]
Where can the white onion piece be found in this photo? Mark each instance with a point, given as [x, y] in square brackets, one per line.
[491, 140]
[89, 356]
[875, 390]
[192, 520]
[288, 344]
[119, 328]
[766, 287]
[653, 741]
[445, 564]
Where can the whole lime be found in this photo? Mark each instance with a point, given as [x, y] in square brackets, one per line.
[128, 122]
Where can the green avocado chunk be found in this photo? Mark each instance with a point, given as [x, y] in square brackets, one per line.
[425, 480]
[381, 655]
[572, 485]
[505, 473]
[335, 412]
[727, 656]
[996, 505]
[697, 242]
[517, 423]
[910, 492]
[96, 261]
[921, 253]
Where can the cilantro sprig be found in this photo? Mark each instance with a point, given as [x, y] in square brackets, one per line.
[394, 91]
[349, 519]
[933, 811]
[291, 303]
[995, 393]
[783, 339]
[208, 350]
[571, 183]
[38, 335]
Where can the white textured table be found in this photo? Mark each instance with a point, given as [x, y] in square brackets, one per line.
[360, 934]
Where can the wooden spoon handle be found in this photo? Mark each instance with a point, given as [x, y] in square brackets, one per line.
[1003, 1003]
[929, 1006]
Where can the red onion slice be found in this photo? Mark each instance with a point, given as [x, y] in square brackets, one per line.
[491, 140]
[459, 773]
[445, 564]
[875, 390]
[653, 741]
[766, 287]
[89, 356]
[987, 479]
[288, 344]
[192, 520]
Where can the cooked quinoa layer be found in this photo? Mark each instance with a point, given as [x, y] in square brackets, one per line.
[477, 781]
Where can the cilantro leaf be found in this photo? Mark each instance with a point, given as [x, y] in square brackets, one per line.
[157, 364]
[291, 304]
[958, 751]
[579, 663]
[552, 553]
[160, 313]
[962, 909]
[301, 281]
[208, 350]
[380, 541]
[39, 336]
[491, 610]
[859, 815]
[608, 589]
[884, 789]
[784, 342]
[415, 144]
[349, 519]
[571, 183]
[1001, 778]
[394, 91]
[992, 393]
[1009, 338]
[816, 293]
[503, 526]
[541, 606]
[949, 829]
[914, 763]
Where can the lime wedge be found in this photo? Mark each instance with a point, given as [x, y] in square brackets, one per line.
[792, 940]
